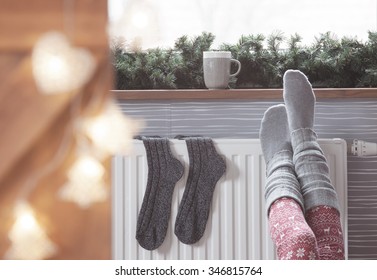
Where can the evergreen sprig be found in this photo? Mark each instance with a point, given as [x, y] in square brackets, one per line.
[328, 62]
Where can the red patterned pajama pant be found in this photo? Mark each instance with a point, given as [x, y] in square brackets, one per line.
[315, 235]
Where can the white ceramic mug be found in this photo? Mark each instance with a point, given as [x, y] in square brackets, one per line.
[216, 69]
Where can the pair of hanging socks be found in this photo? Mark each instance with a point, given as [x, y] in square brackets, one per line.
[164, 171]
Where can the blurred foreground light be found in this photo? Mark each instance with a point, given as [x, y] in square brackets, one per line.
[29, 240]
[85, 182]
[58, 67]
[112, 131]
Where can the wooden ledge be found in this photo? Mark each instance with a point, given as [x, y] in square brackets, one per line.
[251, 94]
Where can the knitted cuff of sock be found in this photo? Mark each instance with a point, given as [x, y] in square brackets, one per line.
[312, 170]
[281, 180]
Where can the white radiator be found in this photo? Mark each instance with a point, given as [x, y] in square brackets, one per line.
[237, 225]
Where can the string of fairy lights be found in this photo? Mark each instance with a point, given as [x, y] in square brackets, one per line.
[60, 68]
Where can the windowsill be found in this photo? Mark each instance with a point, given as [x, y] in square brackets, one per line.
[257, 94]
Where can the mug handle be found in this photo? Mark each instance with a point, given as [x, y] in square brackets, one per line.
[239, 67]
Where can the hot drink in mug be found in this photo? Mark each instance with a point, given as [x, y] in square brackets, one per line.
[216, 69]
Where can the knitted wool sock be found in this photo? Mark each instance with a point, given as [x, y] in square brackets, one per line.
[293, 238]
[274, 132]
[299, 100]
[325, 223]
[206, 168]
[277, 151]
[310, 163]
[312, 171]
[164, 171]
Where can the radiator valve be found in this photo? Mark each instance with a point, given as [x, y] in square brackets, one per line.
[363, 148]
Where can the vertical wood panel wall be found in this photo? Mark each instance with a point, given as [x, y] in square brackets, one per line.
[32, 125]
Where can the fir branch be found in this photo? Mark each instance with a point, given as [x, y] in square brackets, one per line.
[328, 62]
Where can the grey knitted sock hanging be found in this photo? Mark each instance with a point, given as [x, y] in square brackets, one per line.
[164, 171]
[206, 168]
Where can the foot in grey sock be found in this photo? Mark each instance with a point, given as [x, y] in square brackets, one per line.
[206, 168]
[310, 163]
[164, 171]
[274, 133]
[277, 151]
[299, 100]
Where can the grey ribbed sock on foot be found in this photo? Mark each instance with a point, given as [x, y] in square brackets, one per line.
[164, 171]
[310, 163]
[299, 100]
[206, 168]
[274, 132]
[312, 170]
[277, 151]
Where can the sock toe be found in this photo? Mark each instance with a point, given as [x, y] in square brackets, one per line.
[293, 74]
[274, 133]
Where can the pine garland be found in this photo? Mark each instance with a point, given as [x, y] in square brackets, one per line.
[328, 62]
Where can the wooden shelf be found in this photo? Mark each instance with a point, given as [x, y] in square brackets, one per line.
[251, 94]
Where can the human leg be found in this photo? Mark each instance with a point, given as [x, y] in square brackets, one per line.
[320, 199]
[292, 236]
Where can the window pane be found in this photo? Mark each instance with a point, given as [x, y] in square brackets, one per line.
[152, 23]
